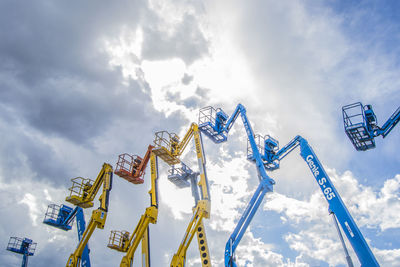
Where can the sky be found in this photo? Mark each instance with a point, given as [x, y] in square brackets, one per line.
[82, 82]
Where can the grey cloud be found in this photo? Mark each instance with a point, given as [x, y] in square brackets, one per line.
[186, 42]
[186, 79]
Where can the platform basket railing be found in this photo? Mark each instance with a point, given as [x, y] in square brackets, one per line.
[124, 165]
[52, 213]
[79, 184]
[15, 244]
[166, 145]
[180, 175]
[207, 119]
[271, 146]
[353, 115]
[260, 140]
[56, 215]
[356, 127]
[118, 240]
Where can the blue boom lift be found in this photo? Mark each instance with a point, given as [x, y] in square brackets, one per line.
[62, 217]
[272, 156]
[361, 125]
[266, 154]
[215, 124]
[24, 246]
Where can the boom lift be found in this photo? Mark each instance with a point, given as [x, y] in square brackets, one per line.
[361, 125]
[272, 157]
[82, 194]
[24, 246]
[62, 217]
[169, 148]
[216, 125]
[121, 240]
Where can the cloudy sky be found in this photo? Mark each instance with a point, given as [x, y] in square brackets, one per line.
[82, 82]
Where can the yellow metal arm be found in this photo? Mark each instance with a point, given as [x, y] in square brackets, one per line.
[168, 147]
[121, 243]
[195, 226]
[83, 191]
[203, 182]
[99, 216]
[98, 220]
[202, 210]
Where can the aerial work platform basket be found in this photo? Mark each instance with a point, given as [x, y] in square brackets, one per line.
[212, 122]
[23, 246]
[357, 127]
[166, 147]
[56, 216]
[267, 147]
[127, 168]
[180, 176]
[119, 240]
[79, 191]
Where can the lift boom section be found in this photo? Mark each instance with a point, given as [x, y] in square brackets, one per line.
[272, 156]
[361, 125]
[82, 195]
[62, 217]
[216, 125]
[122, 240]
[169, 148]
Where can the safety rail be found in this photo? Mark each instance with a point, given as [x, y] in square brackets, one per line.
[356, 127]
[166, 145]
[209, 124]
[21, 245]
[180, 176]
[79, 190]
[55, 216]
[260, 140]
[118, 240]
[127, 166]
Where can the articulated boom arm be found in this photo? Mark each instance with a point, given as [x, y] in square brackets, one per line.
[200, 211]
[336, 205]
[99, 215]
[390, 123]
[128, 244]
[218, 134]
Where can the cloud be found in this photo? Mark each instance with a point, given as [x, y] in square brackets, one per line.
[317, 239]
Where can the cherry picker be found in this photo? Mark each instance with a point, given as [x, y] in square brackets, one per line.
[62, 217]
[272, 155]
[216, 125]
[133, 171]
[24, 246]
[82, 193]
[169, 148]
[361, 125]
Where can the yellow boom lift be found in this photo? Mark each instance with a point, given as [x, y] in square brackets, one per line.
[169, 148]
[121, 240]
[82, 194]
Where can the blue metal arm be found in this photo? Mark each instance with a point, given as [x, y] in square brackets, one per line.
[218, 133]
[335, 202]
[390, 123]
[81, 225]
[64, 219]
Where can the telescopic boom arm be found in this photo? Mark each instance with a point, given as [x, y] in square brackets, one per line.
[272, 158]
[82, 195]
[169, 148]
[216, 125]
[121, 241]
